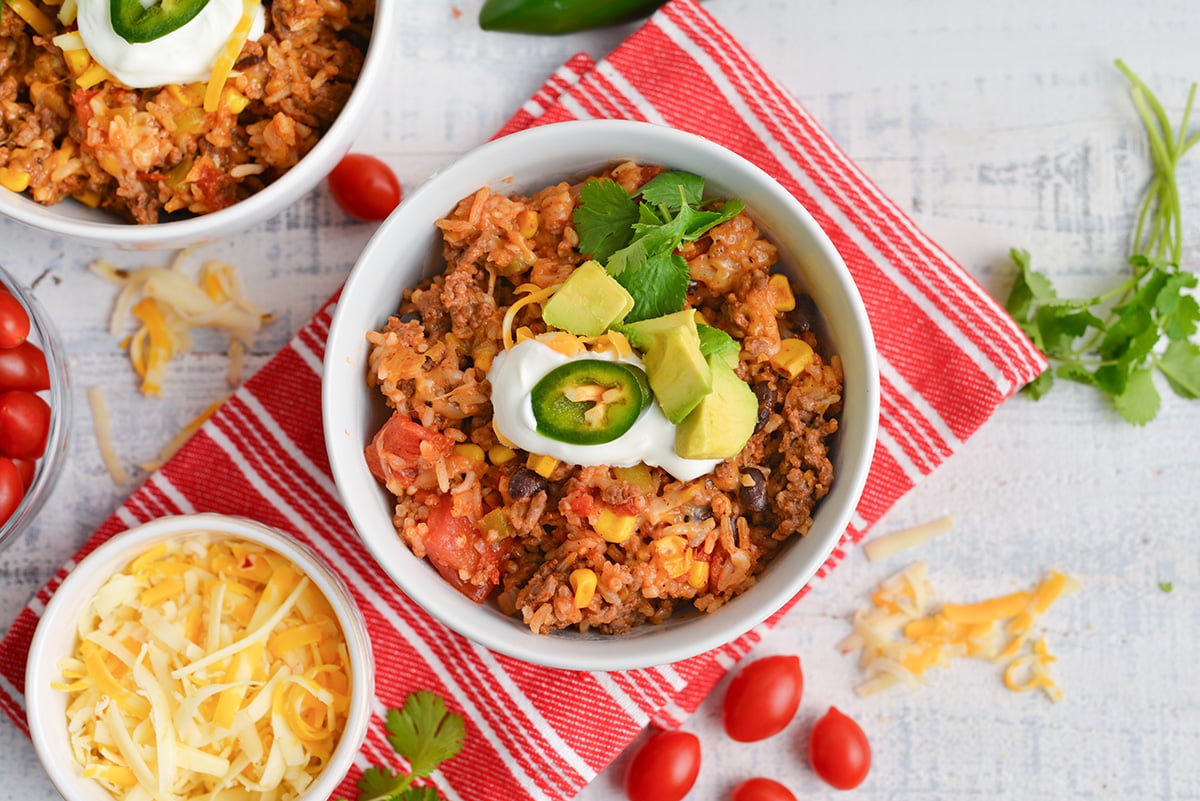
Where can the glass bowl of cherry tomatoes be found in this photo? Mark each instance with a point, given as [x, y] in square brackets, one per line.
[35, 408]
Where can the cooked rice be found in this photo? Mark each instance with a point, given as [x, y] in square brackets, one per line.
[525, 534]
[151, 155]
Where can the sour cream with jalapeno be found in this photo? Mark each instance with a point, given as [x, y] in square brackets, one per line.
[651, 439]
[185, 55]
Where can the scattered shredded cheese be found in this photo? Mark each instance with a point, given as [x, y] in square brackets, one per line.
[903, 635]
[888, 545]
[229, 54]
[534, 294]
[102, 424]
[169, 305]
[209, 668]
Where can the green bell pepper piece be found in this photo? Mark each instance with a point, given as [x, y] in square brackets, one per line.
[136, 23]
[560, 16]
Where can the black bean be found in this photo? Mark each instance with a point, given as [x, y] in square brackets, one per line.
[766, 403]
[754, 496]
[524, 483]
[411, 317]
[697, 513]
[805, 316]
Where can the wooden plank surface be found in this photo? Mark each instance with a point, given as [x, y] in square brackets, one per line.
[993, 126]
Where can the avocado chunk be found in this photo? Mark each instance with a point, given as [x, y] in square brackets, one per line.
[588, 303]
[643, 333]
[723, 421]
[678, 373]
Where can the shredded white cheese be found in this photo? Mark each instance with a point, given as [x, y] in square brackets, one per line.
[209, 667]
[881, 548]
[102, 424]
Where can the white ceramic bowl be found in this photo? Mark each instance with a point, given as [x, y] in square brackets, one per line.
[76, 221]
[55, 638]
[407, 248]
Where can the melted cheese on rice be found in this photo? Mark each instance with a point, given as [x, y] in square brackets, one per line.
[209, 664]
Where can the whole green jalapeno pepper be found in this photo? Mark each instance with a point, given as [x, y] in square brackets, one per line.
[560, 16]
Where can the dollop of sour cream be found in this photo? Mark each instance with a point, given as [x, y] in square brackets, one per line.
[651, 439]
[185, 55]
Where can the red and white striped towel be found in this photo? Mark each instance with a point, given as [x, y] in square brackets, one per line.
[949, 356]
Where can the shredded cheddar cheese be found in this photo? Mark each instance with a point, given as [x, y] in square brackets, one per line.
[169, 305]
[208, 668]
[228, 57]
[905, 633]
[881, 548]
[532, 294]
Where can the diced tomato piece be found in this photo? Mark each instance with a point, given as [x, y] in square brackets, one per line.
[455, 545]
[395, 451]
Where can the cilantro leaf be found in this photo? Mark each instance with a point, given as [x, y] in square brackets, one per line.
[1138, 402]
[1180, 364]
[715, 342]
[382, 782]
[424, 732]
[1166, 586]
[603, 218]
[672, 188]
[419, 794]
[658, 286]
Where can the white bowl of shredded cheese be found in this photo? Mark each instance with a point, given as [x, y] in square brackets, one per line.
[197, 654]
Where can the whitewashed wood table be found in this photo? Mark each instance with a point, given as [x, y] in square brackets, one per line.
[994, 125]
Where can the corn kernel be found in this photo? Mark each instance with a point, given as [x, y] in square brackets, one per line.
[236, 101]
[698, 575]
[583, 581]
[674, 555]
[469, 450]
[793, 357]
[638, 475]
[15, 180]
[785, 301]
[88, 197]
[527, 223]
[77, 60]
[499, 454]
[613, 527]
[542, 465]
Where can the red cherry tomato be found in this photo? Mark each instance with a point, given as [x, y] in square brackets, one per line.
[11, 490]
[838, 750]
[760, 789]
[763, 698]
[14, 321]
[24, 424]
[24, 367]
[364, 187]
[664, 768]
[27, 469]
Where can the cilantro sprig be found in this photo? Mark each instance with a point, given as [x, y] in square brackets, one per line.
[426, 734]
[636, 241]
[1116, 341]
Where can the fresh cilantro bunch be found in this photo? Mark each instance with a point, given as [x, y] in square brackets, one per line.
[1116, 341]
[426, 734]
[636, 241]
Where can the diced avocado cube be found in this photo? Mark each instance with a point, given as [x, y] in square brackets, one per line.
[642, 333]
[678, 373]
[588, 302]
[723, 421]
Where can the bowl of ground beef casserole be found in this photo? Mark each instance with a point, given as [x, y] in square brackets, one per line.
[192, 135]
[600, 395]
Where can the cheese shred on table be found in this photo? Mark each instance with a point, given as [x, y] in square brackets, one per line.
[209, 668]
[905, 633]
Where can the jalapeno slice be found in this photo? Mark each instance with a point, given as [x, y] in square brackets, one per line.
[136, 23]
[589, 401]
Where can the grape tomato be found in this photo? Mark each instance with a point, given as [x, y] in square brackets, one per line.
[364, 187]
[24, 424]
[763, 698]
[838, 750]
[11, 489]
[24, 367]
[14, 321]
[761, 789]
[664, 768]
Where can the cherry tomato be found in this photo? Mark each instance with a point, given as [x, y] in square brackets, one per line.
[27, 469]
[763, 698]
[664, 768]
[11, 490]
[760, 789]
[364, 187]
[838, 750]
[24, 367]
[14, 321]
[24, 424]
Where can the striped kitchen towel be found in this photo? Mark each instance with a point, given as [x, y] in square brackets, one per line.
[949, 356]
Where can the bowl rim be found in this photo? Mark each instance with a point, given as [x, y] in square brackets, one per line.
[85, 577]
[482, 164]
[270, 201]
[45, 336]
